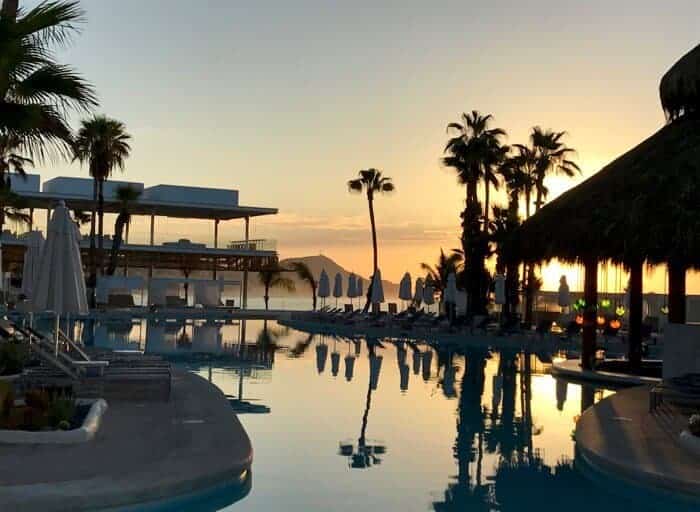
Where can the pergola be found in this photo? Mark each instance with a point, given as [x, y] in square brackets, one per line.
[643, 208]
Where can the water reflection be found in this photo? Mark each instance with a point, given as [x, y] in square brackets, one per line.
[366, 453]
[473, 429]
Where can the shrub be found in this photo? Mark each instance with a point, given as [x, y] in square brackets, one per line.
[61, 411]
[694, 424]
[13, 357]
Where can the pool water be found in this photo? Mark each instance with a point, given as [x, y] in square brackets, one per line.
[347, 425]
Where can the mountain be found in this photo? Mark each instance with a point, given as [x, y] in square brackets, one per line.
[319, 263]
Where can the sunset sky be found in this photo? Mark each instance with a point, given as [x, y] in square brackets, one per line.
[286, 101]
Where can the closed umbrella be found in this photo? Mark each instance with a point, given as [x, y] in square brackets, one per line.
[450, 296]
[418, 295]
[349, 367]
[377, 288]
[564, 298]
[338, 287]
[429, 293]
[32, 262]
[352, 287]
[405, 292]
[324, 286]
[360, 286]
[60, 285]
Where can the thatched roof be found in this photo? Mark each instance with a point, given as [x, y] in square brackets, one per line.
[680, 86]
[645, 204]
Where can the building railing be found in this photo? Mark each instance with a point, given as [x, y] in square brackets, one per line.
[253, 245]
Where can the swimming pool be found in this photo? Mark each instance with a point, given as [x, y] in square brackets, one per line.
[348, 425]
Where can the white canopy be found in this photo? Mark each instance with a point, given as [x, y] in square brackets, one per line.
[418, 296]
[405, 292]
[324, 285]
[377, 288]
[32, 262]
[60, 285]
[352, 286]
[451, 289]
[338, 286]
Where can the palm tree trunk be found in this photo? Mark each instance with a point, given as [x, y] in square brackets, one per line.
[590, 295]
[266, 297]
[487, 198]
[101, 214]
[9, 9]
[313, 296]
[375, 249]
[119, 226]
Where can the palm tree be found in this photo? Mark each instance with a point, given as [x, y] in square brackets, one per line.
[473, 152]
[36, 92]
[103, 144]
[270, 276]
[11, 206]
[81, 217]
[445, 266]
[551, 156]
[125, 195]
[10, 162]
[371, 182]
[304, 273]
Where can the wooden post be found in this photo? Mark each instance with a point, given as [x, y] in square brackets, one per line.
[150, 269]
[635, 315]
[126, 251]
[676, 292]
[590, 313]
[31, 219]
[216, 245]
[246, 263]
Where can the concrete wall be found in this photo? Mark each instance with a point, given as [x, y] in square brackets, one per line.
[30, 184]
[83, 187]
[192, 195]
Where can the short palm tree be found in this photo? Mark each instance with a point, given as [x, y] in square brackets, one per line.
[304, 274]
[36, 92]
[11, 162]
[126, 195]
[103, 145]
[372, 182]
[272, 276]
[11, 206]
[446, 265]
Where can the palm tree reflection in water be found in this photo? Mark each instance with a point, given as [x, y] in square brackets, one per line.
[367, 452]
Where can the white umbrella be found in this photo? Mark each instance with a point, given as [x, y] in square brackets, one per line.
[405, 292]
[32, 262]
[324, 285]
[338, 287]
[499, 288]
[451, 289]
[418, 296]
[352, 287]
[564, 298]
[429, 294]
[377, 288]
[60, 285]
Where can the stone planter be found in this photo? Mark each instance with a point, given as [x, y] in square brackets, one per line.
[91, 424]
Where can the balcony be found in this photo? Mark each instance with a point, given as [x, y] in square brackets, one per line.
[253, 245]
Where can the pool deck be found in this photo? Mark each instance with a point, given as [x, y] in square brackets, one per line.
[571, 369]
[619, 437]
[143, 452]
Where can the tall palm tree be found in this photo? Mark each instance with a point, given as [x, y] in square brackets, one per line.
[552, 155]
[126, 195]
[304, 274]
[271, 276]
[473, 152]
[36, 92]
[372, 182]
[103, 144]
[446, 265]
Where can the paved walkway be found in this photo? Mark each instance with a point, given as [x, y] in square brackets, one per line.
[143, 452]
[619, 437]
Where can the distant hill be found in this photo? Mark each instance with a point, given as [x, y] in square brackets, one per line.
[319, 263]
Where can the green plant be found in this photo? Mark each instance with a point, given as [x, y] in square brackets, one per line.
[61, 410]
[13, 357]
